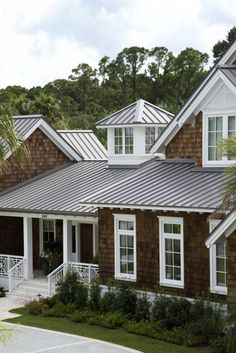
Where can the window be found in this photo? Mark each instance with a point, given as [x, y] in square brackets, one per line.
[125, 247]
[218, 263]
[48, 231]
[171, 252]
[216, 128]
[124, 140]
[151, 134]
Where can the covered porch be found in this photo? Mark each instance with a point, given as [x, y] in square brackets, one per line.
[46, 245]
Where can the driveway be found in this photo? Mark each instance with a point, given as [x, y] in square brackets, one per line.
[27, 339]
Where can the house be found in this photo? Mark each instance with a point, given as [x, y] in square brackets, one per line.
[145, 210]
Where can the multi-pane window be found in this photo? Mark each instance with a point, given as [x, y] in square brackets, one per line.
[123, 140]
[48, 232]
[218, 263]
[218, 127]
[125, 247]
[151, 134]
[221, 264]
[171, 251]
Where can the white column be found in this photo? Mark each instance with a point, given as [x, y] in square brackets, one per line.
[67, 240]
[28, 247]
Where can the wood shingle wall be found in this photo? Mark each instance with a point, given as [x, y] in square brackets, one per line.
[44, 156]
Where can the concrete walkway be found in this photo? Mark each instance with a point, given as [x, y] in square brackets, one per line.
[27, 339]
[8, 303]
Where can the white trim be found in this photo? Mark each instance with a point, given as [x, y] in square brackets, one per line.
[190, 106]
[123, 136]
[131, 218]
[54, 137]
[224, 114]
[221, 229]
[162, 236]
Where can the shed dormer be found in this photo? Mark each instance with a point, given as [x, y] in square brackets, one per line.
[131, 132]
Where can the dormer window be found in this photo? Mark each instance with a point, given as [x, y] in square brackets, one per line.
[124, 140]
[151, 134]
[217, 127]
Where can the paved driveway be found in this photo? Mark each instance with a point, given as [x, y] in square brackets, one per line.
[32, 340]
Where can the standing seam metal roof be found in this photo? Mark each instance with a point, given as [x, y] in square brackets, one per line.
[140, 112]
[86, 143]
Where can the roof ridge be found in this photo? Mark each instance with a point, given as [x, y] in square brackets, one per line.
[139, 110]
[78, 130]
[33, 116]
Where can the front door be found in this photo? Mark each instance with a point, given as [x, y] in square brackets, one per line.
[86, 242]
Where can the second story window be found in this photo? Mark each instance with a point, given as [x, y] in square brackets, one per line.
[124, 140]
[216, 128]
[151, 134]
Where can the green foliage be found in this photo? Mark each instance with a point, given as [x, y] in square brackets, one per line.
[59, 310]
[108, 301]
[35, 307]
[222, 45]
[94, 294]
[142, 309]
[2, 292]
[125, 301]
[170, 311]
[71, 290]
[81, 315]
[107, 320]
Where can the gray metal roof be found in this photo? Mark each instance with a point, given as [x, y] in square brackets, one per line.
[140, 112]
[86, 143]
[62, 190]
[230, 73]
[82, 187]
[164, 184]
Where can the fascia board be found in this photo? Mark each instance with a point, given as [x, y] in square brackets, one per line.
[218, 231]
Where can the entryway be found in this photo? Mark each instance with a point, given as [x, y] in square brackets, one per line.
[84, 242]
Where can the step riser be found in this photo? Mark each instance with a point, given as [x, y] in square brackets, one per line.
[30, 289]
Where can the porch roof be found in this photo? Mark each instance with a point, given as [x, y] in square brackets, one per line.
[82, 187]
[61, 191]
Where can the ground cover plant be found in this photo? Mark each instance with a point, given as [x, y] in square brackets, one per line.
[170, 319]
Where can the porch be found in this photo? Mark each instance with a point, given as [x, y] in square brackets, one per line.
[47, 244]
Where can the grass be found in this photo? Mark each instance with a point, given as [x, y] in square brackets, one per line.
[118, 336]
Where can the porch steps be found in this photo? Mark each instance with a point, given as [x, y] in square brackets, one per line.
[30, 289]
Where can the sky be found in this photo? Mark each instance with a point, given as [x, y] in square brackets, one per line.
[43, 40]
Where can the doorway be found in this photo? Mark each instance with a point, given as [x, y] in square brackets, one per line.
[86, 243]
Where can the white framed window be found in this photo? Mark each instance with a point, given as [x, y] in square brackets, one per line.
[218, 263]
[151, 134]
[47, 233]
[215, 128]
[125, 247]
[171, 249]
[124, 140]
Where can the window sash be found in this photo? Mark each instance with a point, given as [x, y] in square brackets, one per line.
[48, 232]
[151, 134]
[171, 252]
[124, 140]
[125, 247]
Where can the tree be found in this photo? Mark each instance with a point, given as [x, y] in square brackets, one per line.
[222, 45]
[9, 140]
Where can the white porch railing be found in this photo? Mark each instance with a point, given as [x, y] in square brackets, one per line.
[85, 271]
[11, 270]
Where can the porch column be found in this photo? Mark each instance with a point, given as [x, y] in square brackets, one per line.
[67, 240]
[28, 247]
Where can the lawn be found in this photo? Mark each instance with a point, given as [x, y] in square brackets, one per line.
[118, 336]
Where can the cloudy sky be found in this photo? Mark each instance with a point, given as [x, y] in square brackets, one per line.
[43, 40]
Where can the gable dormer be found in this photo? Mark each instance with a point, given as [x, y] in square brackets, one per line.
[207, 117]
[131, 132]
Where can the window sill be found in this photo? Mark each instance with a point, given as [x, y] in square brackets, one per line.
[170, 284]
[220, 290]
[126, 278]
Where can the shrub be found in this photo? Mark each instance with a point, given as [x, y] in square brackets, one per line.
[125, 300]
[71, 290]
[59, 310]
[142, 309]
[35, 306]
[111, 320]
[170, 311]
[108, 301]
[2, 292]
[81, 316]
[95, 294]
[207, 320]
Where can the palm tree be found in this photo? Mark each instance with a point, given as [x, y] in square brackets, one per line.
[227, 147]
[9, 140]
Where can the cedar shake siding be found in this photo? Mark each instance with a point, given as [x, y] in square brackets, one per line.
[196, 255]
[187, 143]
[44, 156]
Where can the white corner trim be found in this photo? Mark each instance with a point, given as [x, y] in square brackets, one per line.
[220, 229]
